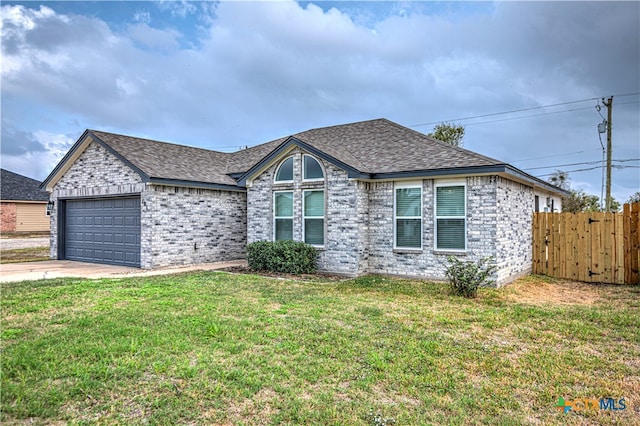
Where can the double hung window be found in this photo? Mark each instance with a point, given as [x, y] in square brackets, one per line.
[408, 217]
[313, 217]
[450, 217]
[283, 215]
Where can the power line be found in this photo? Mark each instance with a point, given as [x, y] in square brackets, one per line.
[527, 116]
[617, 166]
[555, 155]
[517, 110]
[626, 94]
[578, 164]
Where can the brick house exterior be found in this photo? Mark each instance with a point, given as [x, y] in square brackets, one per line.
[382, 199]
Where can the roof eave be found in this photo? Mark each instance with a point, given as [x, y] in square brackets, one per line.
[195, 184]
[503, 169]
[536, 182]
[451, 171]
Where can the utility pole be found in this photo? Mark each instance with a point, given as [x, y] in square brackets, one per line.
[609, 106]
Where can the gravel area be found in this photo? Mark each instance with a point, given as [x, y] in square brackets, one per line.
[17, 243]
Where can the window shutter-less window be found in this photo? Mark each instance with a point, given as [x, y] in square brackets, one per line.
[285, 171]
[312, 169]
[314, 217]
[283, 212]
[408, 217]
[450, 218]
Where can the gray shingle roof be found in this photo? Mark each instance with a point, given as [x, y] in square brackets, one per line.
[371, 149]
[17, 187]
[382, 146]
[170, 161]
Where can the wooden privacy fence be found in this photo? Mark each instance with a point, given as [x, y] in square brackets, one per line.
[591, 247]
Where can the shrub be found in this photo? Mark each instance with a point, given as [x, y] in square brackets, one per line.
[466, 277]
[289, 257]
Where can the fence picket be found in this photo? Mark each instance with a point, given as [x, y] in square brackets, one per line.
[591, 247]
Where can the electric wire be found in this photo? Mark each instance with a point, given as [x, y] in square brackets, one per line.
[617, 166]
[579, 164]
[527, 116]
[553, 156]
[520, 110]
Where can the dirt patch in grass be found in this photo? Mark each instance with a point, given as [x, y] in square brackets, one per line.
[6, 235]
[31, 254]
[538, 290]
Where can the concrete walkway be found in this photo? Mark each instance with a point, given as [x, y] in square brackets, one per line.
[11, 272]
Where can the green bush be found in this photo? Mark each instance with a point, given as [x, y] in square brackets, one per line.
[466, 277]
[289, 257]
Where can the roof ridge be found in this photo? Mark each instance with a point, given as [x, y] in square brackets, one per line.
[445, 144]
[22, 176]
[163, 142]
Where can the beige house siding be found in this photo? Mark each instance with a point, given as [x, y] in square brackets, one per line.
[31, 217]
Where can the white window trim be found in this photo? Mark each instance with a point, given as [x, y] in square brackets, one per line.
[324, 173]
[436, 217]
[283, 217]
[323, 217]
[405, 185]
[293, 168]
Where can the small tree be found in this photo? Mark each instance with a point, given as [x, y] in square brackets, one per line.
[449, 133]
[614, 206]
[580, 201]
[560, 179]
[635, 198]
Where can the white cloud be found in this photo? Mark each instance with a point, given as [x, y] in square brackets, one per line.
[265, 69]
[180, 8]
[143, 17]
[163, 40]
[39, 164]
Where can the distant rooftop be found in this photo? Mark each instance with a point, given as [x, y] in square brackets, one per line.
[20, 188]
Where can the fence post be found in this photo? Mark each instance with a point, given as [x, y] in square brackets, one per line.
[631, 230]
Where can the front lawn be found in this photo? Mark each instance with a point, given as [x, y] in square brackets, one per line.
[29, 254]
[220, 348]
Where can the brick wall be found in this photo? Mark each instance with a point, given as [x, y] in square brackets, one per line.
[360, 224]
[514, 239]
[8, 217]
[429, 262]
[184, 226]
[345, 249]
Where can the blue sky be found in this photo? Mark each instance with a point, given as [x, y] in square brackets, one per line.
[222, 75]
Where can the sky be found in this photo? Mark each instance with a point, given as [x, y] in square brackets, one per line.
[224, 75]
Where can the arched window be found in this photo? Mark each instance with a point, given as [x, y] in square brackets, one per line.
[311, 169]
[285, 171]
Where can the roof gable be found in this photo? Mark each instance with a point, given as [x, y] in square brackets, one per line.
[76, 150]
[20, 188]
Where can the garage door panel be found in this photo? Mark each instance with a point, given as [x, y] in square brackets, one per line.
[103, 230]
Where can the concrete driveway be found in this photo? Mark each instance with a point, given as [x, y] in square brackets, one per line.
[11, 272]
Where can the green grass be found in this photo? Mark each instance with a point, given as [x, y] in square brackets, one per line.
[31, 254]
[218, 348]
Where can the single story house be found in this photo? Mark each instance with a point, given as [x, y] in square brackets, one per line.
[23, 205]
[371, 196]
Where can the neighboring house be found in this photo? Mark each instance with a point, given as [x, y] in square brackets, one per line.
[23, 205]
[373, 197]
